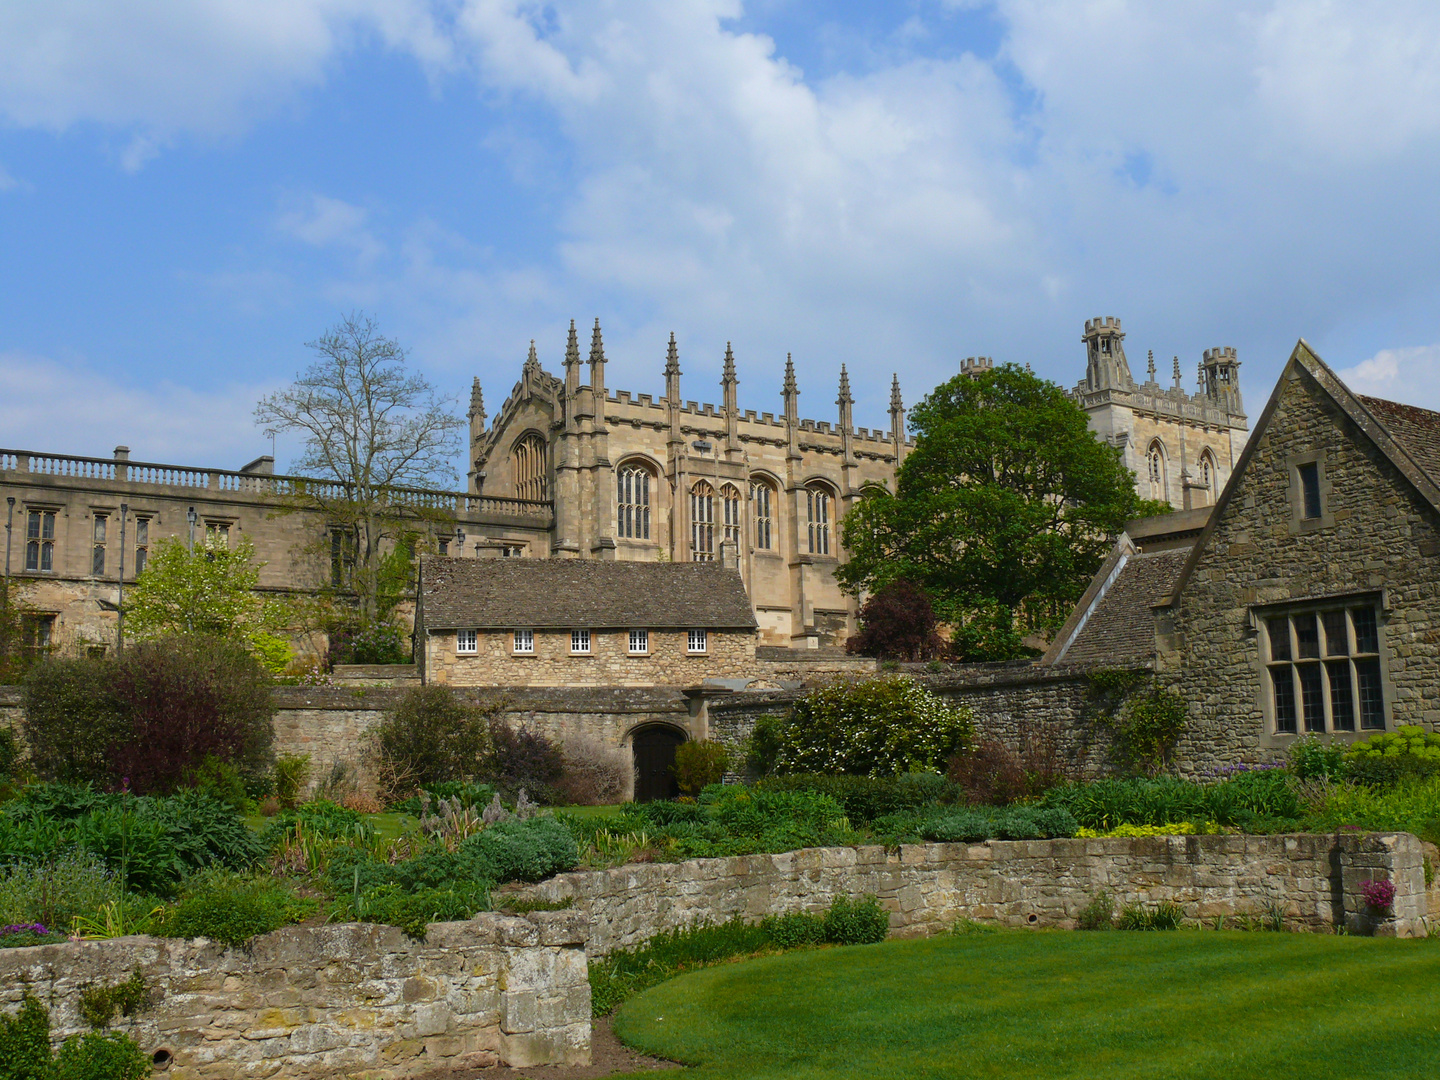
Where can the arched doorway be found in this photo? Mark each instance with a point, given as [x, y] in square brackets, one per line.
[654, 749]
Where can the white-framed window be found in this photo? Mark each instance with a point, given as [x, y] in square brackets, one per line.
[696, 641]
[639, 642]
[465, 641]
[1323, 668]
[217, 534]
[580, 642]
[632, 502]
[760, 497]
[512, 551]
[524, 641]
[40, 541]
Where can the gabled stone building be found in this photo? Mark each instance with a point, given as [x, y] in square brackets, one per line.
[563, 622]
[1309, 600]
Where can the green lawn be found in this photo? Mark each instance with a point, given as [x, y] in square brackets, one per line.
[1151, 1006]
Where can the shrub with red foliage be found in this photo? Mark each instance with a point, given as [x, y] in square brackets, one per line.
[994, 775]
[522, 758]
[185, 699]
[897, 623]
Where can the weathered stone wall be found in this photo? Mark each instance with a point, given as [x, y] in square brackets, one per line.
[926, 887]
[728, 655]
[1015, 704]
[336, 1000]
[330, 723]
[1376, 534]
[12, 709]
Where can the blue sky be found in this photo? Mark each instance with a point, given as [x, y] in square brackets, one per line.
[190, 190]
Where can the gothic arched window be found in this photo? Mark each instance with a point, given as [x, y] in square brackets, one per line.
[702, 522]
[818, 501]
[762, 497]
[632, 502]
[730, 500]
[1207, 471]
[530, 479]
[1155, 466]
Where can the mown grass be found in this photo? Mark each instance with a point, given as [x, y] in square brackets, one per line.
[1115, 1006]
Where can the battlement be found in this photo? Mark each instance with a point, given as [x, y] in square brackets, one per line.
[1109, 322]
[974, 365]
[1219, 355]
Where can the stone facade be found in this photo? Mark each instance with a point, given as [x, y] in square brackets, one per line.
[1313, 880]
[347, 999]
[666, 662]
[74, 600]
[1182, 447]
[641, 478]
[1372, 545]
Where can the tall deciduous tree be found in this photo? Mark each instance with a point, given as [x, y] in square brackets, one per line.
[371, 427]
[1001, 513]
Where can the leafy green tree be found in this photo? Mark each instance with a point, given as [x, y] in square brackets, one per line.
[371, 429]
[209, 591]
[1002, 512]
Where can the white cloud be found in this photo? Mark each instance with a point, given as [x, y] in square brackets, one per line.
[185, 66]
[47, 405]
[323, 222]
[7, 182]
[1411, 375]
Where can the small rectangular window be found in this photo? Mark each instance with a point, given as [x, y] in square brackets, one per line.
[639, 642]
[1310, 488]
[696, 642]
[37, 633]
[217, 534]
[142, 544]
[580, 641]
[1284, 686]
[97, 552]
[1279, 630]
[524, 641]
[465, 641]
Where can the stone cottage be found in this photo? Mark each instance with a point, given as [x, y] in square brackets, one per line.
[1308, 601]
[582, 622]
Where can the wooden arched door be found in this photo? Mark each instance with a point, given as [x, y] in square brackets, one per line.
[654, 749]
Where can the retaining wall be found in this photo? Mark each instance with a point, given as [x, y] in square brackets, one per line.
[347, 999]
[1314, 880]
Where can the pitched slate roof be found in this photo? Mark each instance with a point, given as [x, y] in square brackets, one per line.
[1416, 430]
[1113, 623]
[564, 594]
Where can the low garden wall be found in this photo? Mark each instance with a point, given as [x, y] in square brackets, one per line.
[1314, 879]
[334, 1000]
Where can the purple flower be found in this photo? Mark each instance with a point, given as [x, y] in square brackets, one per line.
[1379, 895]
[25, 928]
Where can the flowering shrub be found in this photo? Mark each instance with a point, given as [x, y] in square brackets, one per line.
[1170, 828]
[1379, 895]
[880, 727]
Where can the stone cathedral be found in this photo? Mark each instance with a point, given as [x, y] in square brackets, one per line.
[571, 469]
[636, 478]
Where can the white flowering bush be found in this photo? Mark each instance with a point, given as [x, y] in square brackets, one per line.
[879, 727]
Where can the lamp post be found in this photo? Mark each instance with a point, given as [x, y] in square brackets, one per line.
[120, 598]
[190, 517]
[459, 541]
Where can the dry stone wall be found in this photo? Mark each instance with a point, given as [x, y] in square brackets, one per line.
[1313, 879]
[351, 999]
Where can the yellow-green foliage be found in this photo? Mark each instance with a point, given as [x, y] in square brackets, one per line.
[1411, 805]
[1414, 741]
[1170, 828]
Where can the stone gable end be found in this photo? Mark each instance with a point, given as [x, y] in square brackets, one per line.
[1376, 536]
